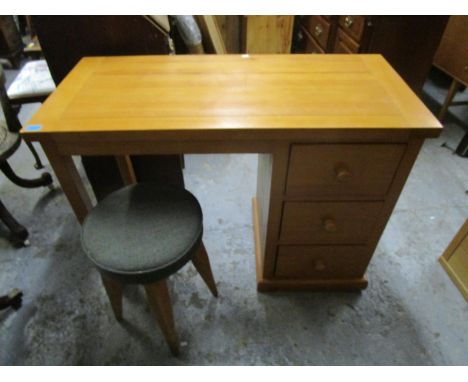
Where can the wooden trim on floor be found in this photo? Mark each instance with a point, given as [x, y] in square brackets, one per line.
[451, 249]
[454, 277]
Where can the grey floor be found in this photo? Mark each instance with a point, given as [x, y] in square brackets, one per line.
[411, 314]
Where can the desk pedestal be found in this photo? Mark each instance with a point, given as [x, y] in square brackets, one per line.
[321, 208]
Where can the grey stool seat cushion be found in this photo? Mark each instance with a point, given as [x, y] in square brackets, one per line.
[143, 233]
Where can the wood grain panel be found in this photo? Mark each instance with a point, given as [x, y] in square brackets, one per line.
[268, 34]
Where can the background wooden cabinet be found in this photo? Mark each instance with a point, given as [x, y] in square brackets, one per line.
[407, 42]
[452, 55]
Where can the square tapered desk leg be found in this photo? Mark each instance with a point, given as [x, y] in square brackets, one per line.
[69, 178]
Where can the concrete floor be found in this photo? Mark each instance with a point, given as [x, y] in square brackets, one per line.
[411, 314]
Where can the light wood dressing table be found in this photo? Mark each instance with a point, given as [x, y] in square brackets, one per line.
[337, 136]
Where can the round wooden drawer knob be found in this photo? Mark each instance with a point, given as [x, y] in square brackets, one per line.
[319, 265]
[329, 225]
[343, 175]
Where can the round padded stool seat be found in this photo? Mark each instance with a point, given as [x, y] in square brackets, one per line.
[143, 233]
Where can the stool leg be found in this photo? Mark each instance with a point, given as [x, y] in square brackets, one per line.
[160, 303]
[202, 264]
[114, 291]
[448, 99]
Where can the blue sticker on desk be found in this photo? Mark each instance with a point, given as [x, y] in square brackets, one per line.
[33, 127]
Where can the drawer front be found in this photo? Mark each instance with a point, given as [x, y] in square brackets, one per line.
[345, 44]
[342, 171]
[328, 222]
[319, 28]
[310, 44]
[322, 262]
[353, 26]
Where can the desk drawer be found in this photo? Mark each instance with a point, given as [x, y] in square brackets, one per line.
[342, 171]
[328, 222]
[353, 26]
[319, 28]
[344, 43]
[310, 44]
[322, 262]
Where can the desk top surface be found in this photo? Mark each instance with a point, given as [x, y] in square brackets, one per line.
[216, 92]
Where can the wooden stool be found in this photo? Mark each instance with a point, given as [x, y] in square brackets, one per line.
[142, 234]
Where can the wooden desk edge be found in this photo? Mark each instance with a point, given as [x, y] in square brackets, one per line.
[229, 133]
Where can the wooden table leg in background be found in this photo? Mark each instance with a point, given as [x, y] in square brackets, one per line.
[70, 180]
